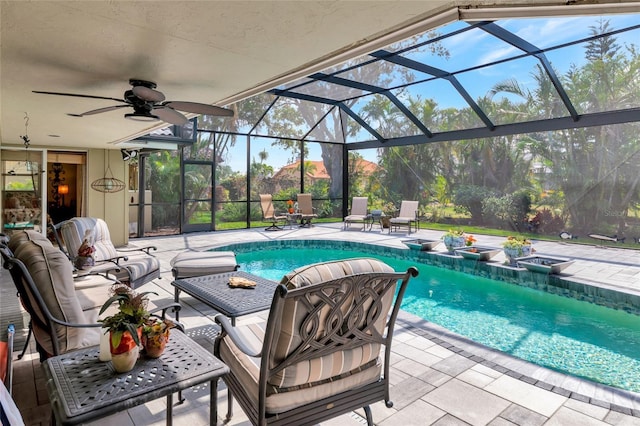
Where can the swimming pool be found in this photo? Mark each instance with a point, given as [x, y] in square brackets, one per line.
[564, 334]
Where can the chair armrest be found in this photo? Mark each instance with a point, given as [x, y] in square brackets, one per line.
[142, 249]
[174, 306]
[236, 338]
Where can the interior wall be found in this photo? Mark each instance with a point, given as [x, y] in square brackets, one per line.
[112, 207]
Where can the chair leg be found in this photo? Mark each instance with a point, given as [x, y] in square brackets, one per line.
[26, 343]
[367, 412]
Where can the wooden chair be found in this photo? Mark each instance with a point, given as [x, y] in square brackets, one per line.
[319, 353]
[407, 216]
[269, 213]
[358, 213]
[306, 210]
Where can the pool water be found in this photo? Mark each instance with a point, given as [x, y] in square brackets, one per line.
[564, 334]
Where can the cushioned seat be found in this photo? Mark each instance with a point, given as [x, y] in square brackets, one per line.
[64, 312]
[319, 354]
[358, 213]
[52, 280]
[138, 268]
[198, 263]
[407, 216]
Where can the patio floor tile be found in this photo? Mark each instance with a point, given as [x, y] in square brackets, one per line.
[567, 417]
[466, 402]
[529, 396]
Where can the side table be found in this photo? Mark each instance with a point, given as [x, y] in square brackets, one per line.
[293, 218]
[82, 388]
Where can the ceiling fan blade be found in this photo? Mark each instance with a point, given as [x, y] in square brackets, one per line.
[169, 115]
[148, 94]
[77, 96]
[198, 108]
[99, 110]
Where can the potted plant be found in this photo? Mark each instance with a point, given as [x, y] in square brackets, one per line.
[516, 247]
[290, 206]
[155, 335]
[125, 326]
[453, 239]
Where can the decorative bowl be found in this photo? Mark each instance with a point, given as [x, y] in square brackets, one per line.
[478, 252]
[544, 264]
[422, 245]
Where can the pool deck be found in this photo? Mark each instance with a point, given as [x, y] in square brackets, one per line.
[438, 378]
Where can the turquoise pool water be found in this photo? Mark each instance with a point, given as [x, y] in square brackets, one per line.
[567, 335]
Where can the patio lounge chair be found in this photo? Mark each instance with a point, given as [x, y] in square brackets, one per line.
[132, 266]
[407, 216]
[358, 212]
[269, 213]
[306, 210]
[63, 312]
[319, 353]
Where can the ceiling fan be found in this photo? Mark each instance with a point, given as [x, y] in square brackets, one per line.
[149, 105]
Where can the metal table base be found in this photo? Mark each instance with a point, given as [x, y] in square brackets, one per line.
[82, 388]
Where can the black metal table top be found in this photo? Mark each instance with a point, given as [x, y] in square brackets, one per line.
[214, 291]
[82, 388]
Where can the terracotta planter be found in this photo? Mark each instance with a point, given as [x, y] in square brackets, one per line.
[124, 362]
[125, 355]
[155, 344]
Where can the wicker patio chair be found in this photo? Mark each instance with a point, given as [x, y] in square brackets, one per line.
[319, 353]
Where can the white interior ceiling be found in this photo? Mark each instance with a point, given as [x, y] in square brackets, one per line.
[200, 51]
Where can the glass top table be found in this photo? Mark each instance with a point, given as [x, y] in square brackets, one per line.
[82, 388]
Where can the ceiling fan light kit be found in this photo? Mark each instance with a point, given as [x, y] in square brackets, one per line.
[149, 105]
[141, 116]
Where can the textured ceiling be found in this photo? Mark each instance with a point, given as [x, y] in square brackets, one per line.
[204, 51]
[212, 52]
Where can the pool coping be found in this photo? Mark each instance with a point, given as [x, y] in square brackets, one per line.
[559, 284]
[601, 395]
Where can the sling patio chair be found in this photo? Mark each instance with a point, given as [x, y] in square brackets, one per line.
[358, 213]
[306, 210]
[269, 213]
[319, 354]
[407, 216]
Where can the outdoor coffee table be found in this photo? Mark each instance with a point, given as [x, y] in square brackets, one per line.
[82, 388]
[214, 291]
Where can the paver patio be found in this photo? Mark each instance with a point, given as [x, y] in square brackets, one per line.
[438, 378]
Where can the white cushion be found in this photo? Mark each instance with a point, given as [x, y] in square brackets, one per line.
[197, 263]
